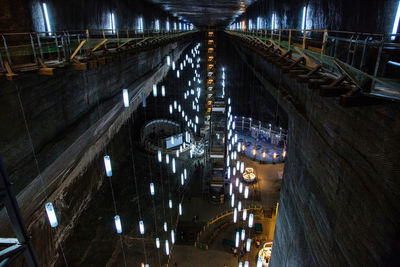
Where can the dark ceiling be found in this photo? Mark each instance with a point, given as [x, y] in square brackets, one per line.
[205, 12]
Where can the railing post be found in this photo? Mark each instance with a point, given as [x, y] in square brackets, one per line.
[280, 36]
[58, 50]
[324, 42]
[1, 63]
[7, 52]
[290, 38]
[33, 49]
[304, 38]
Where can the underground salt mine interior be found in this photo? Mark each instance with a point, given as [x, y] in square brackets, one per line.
[220, 133]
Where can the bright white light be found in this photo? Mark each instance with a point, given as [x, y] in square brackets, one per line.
[248, 244]
[179, 108]
[259, 262]
[180, 209]
[166, 247]
[233, 200]
[118, 225]
[158, 242]
[230, 189]
[170, 204]
[173, 236]
[165, 226]
[159, 156]
[167, 158]
[234, 171]
[182, 180]
[235, 215]
[303, 22]
[251, 220]
[167, 25]
[229, 173]
[170, 109]
[244, 215]
[237, 240]
[185, 173]
[239, 205]
[152, 190]
[243, 236]
[162, 90]
[51, 214]
[246, 192]
[258, 23]
[177, 74]
[154, 90]
[396, 22]
[177, 153]
[237, 182]
[140, 24]
[238, 147]
[241, 167]
[246, 264]
[173, 165]
[240, 187]
[112, 23]
[168, 60]
[46, 16]
[107, 164]
[174, 26]
[240, 264]
[141, 227]
[173, 65]
[157, 25]
[125, 97]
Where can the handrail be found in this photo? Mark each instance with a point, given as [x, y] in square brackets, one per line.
[336, 53]
[22, 50]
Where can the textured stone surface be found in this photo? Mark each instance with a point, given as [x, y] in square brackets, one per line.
[339, 203]
[71, 118]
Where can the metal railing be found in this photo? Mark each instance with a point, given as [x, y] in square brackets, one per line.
[27, 50]
[366, 56]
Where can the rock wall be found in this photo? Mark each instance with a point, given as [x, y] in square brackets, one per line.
[339, 202]
[372, 16]
[71, 117]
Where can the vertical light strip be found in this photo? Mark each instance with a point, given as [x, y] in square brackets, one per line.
[303, 24]
[46, 16]
[112, 23]
[396, 22]
[273, 21]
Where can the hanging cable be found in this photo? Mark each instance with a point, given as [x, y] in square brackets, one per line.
[37, 162]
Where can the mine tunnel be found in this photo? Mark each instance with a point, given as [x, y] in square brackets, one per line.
[199, 133]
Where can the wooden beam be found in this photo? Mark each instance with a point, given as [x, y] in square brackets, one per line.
[77, 49]
[99, 44]
[10, 74]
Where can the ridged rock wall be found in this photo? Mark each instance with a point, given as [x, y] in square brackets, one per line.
[339, 201]
[71, 117]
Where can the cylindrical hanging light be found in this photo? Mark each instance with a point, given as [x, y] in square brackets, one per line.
[248, 244]
[166, 247]
[152, 190]
[244, 214]
[251, 218]
[51, 214]
[237, 239]
[141, 227]
[107, 165]
[125, 97]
